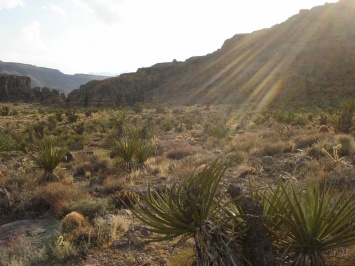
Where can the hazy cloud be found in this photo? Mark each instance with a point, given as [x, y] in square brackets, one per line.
[7, 4]
[56, 9]
[105, 10]
[31, 36]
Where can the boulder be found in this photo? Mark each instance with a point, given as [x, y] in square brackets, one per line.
[38, 232]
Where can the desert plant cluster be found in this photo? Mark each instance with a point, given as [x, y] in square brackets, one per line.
[179, 185]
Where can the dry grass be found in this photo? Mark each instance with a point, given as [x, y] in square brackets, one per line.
[109, 228]
[18, 251]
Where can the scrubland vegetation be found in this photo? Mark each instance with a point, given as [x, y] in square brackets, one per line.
[220, 184]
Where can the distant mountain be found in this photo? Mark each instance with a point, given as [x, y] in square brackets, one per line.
[47, 77]
[306, 61]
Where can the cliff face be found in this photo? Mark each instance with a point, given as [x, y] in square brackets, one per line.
[306, 61]
[15, 88]
[18, 89]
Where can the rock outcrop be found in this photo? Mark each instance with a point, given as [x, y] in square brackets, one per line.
[38, 232]
[15, 88]
[18, 89]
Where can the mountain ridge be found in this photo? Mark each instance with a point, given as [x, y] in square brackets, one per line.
[306, 61]
[47, 77]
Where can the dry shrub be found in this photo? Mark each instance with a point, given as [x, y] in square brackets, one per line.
[179, 154]
[100, 161]
[76, 229]
[62, 250]
[108, 228]
[268, 134]
[323, 129]
[53, 196]
[111, 185]
[182, 169]
[303, 142]
[72, 222]
[271, 149]
[248, 143]
[339, 178]
[347, 145]
[19, 251]
[89, 207]
[124, 198]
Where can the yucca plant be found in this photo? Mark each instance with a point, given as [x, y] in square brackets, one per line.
[145, 151]
[186, 210]
[307, 223]
[119, 120]
[48, 158]
[126, 151]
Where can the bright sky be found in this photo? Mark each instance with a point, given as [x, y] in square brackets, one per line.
[93, 36]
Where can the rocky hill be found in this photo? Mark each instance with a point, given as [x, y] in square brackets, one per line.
[306, 61]
[18, 88]
[47, 77]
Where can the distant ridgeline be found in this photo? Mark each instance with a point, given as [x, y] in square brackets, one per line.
[306, 61]
[18, 89]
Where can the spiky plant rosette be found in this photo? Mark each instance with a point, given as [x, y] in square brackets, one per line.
[126, 151]
[186, 210]
[145, 151]
[48, 158]
[309, 222]
[182, 208]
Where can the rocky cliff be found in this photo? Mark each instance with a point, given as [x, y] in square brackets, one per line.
[13, 88]
[18, 88]
[306, 61]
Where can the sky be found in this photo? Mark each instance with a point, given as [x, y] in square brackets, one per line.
[120, 36]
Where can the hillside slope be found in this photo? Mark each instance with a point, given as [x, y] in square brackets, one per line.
[309, 60]
[47, 77]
